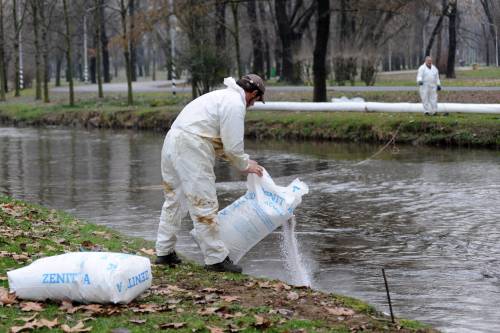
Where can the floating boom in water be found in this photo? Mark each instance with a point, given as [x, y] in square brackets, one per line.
[375, 107]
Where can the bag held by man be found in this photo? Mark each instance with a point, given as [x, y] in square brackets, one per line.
[263, 208]
[85, 277]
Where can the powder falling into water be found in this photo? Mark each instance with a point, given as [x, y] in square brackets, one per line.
[293, 258]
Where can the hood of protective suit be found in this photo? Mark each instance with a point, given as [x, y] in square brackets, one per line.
[231, 83]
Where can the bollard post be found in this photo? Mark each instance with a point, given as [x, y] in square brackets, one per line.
[388, 295]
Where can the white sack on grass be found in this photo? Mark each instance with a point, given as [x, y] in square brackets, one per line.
[86, 277]
[259, 212]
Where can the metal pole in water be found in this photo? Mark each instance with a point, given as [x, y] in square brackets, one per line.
[388, 295]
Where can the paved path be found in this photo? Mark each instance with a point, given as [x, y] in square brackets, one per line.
[166, 86]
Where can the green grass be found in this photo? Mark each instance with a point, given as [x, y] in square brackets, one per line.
[38, 232]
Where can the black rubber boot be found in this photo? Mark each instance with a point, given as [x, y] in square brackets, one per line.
[170, 259]
[226, 266]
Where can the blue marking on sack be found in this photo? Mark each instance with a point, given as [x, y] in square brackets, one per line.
[273, 196]
[138, 279]
[111, 267]
[64, 278]
[295, 188]
[119, 287]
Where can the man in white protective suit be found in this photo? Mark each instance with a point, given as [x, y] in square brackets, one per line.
[428, 80]
[212, 124]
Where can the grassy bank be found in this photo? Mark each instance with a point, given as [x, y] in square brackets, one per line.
[183, 299]
[157, 112]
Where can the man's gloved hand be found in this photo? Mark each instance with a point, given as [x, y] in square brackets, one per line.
[254, 167]
[439, 88]
[420, 83]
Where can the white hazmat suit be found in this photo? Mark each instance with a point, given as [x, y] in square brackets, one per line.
[429, 77]
[212, 124]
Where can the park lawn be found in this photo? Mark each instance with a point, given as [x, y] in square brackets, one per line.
[182, 299]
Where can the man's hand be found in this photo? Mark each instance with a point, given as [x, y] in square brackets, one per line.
[420, 83]
[439, 88]
[254, 167]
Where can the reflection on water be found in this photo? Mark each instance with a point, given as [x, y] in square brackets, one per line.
[429, 216]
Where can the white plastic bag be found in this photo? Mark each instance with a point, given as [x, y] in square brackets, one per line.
[86, 277]
[259, 212]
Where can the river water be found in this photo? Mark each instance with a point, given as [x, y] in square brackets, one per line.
[430, 217]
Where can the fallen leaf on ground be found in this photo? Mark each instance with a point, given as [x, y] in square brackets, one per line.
[261, 322]
[27, 326]
[149, 252]
[215, 329]
[80, 327]
[42, 322]
[26, 319]
[137, 321]
[172, 325]
[6, 297]
[208, 311]
[21, 256]
[339, 311]
[212, 290]
[95, 308]
[264, 284]
[292, 296]
[68, 307]
[174, 288]
[281, 286]
[230, 299]
[31, 306]
[145, 308]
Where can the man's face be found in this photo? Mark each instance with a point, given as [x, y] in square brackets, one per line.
[428, 62]
[251, 97]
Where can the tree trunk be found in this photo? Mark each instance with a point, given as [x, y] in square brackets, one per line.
[486, 46]
[38, 73]
[285, 33]
[58, 70]
[265, 36]
[487, 12]
[320, 50]
[17, 79]
[104, 46]
[435, 31]
[45, 53]
[452, 33]
[2, 56]
[220, 32]
[98, 72]
[234, 9]
[132, 41]
[69, 62]
[256, 36]
[126, 53]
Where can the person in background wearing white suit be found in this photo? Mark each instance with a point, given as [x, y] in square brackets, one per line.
[428, 80]
[211, 125]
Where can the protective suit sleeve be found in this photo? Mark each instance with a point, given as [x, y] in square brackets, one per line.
[232, 131]
[438, 82]
[420, 76]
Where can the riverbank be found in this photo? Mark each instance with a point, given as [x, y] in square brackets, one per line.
[184, 299]
[156, 112]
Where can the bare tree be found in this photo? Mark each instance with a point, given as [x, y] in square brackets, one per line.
[452, 37]
[36, 26]
[2, 56]
[320, 49]
[257, 40]
[126, 49]
[98, 55]
[293, 18]
[18, 24]
[69, 62]
[487, 11]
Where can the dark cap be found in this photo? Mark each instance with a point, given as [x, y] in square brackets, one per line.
[255, 82]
